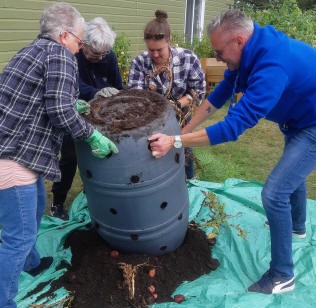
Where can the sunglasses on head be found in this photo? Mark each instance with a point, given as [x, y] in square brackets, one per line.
[156, 37]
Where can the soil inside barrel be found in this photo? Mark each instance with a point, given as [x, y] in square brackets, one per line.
[96, 278]
[128, 110]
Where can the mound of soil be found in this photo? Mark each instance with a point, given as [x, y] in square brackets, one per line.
[100, 277]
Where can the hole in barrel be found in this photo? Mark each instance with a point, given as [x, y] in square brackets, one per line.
[180, 216]
[96, 225]
[177, 158]
[113, 211]
[163, 205]
[162, 248]
[134, 179]
[134, 237]
[88, 174]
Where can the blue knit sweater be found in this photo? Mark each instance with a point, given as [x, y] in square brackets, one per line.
[277, 77]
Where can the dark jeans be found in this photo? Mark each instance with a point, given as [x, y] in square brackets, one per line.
[189, 163]
[68, 167]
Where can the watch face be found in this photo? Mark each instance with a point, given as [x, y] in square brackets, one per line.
[177, 144]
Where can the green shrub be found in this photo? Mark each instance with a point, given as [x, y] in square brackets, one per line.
[121, 48]
[202, 48]
[285, 15]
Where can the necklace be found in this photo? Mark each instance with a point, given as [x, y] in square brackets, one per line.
[165, 69]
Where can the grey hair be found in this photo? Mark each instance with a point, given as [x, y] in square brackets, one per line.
[231, 21]
[59, 17]
[99, 35]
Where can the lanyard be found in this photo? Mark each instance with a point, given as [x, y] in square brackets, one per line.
[233, 102]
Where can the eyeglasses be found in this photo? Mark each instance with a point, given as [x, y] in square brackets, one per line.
[81, 43]
[96, 54]
[156, 37]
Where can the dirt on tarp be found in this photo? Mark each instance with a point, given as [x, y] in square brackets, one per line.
[100, 277]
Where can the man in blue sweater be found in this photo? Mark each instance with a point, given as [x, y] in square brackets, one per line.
[276, 75]
[98, 70]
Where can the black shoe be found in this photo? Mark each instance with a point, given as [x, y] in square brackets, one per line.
[46, 262]
[268, 284]
[57, 210]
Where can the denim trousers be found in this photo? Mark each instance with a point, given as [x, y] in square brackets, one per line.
[21, 210]
[284, 197]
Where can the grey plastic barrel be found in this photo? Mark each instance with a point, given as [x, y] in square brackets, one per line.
[139, 204]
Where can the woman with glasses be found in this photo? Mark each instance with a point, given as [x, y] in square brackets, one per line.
[98, 69]
[172, 71]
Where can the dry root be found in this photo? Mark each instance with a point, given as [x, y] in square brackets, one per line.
[66, 303]
[129, 274]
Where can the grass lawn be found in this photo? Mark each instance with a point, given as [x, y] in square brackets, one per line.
[250, 158]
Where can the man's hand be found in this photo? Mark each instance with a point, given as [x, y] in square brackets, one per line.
[100, 145]
[82, 106]
[106, 92]
[160, 144]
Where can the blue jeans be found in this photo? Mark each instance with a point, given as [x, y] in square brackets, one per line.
[284, 197]
[21, 210]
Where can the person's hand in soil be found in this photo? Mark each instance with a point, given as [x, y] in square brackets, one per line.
[101, 146]
[82, 106]
[106, 92]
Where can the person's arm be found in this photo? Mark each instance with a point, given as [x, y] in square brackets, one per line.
[114, 75]
[87, 91]
[196, 85]
[61, 93]
[136, 77]
[205, 110]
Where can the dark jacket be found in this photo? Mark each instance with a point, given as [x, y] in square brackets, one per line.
[95, 76]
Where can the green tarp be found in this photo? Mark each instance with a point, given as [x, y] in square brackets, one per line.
[241, 261]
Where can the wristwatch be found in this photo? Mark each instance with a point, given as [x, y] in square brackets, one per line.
[177, 142]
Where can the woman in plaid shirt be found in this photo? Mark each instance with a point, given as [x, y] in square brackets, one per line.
[173, 72]
[38, 92]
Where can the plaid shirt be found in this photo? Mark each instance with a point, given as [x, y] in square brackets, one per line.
[187, 74]
[38, 90]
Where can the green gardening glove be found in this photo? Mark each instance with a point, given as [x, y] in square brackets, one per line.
[82, 106]
[100, 145]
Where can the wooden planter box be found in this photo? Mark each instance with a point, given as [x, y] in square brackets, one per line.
[214, 72]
